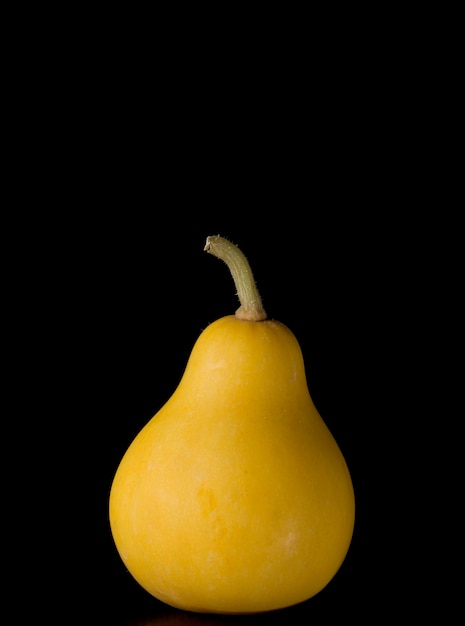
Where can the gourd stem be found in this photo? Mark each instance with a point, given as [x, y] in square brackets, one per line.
[251, 308]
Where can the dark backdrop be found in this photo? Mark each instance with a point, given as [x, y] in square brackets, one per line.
[128, 164]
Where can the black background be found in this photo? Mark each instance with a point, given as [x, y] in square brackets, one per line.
[129, 150]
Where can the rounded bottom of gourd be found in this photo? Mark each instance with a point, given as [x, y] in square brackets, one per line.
[216, 610]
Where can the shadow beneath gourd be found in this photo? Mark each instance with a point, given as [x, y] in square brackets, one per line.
[284, 617]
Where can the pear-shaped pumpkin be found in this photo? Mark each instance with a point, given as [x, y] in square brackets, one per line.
[235, 497]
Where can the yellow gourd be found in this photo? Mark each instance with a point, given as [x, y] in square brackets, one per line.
[235, 497]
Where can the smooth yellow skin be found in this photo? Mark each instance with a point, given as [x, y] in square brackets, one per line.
[235, 497]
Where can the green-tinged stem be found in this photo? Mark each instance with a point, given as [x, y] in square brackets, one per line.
[251, 308]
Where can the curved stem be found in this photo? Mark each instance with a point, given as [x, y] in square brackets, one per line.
[251, 308]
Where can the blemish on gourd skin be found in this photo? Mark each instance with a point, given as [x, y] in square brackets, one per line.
[290, 543]
[209, 509]
[207, 499]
